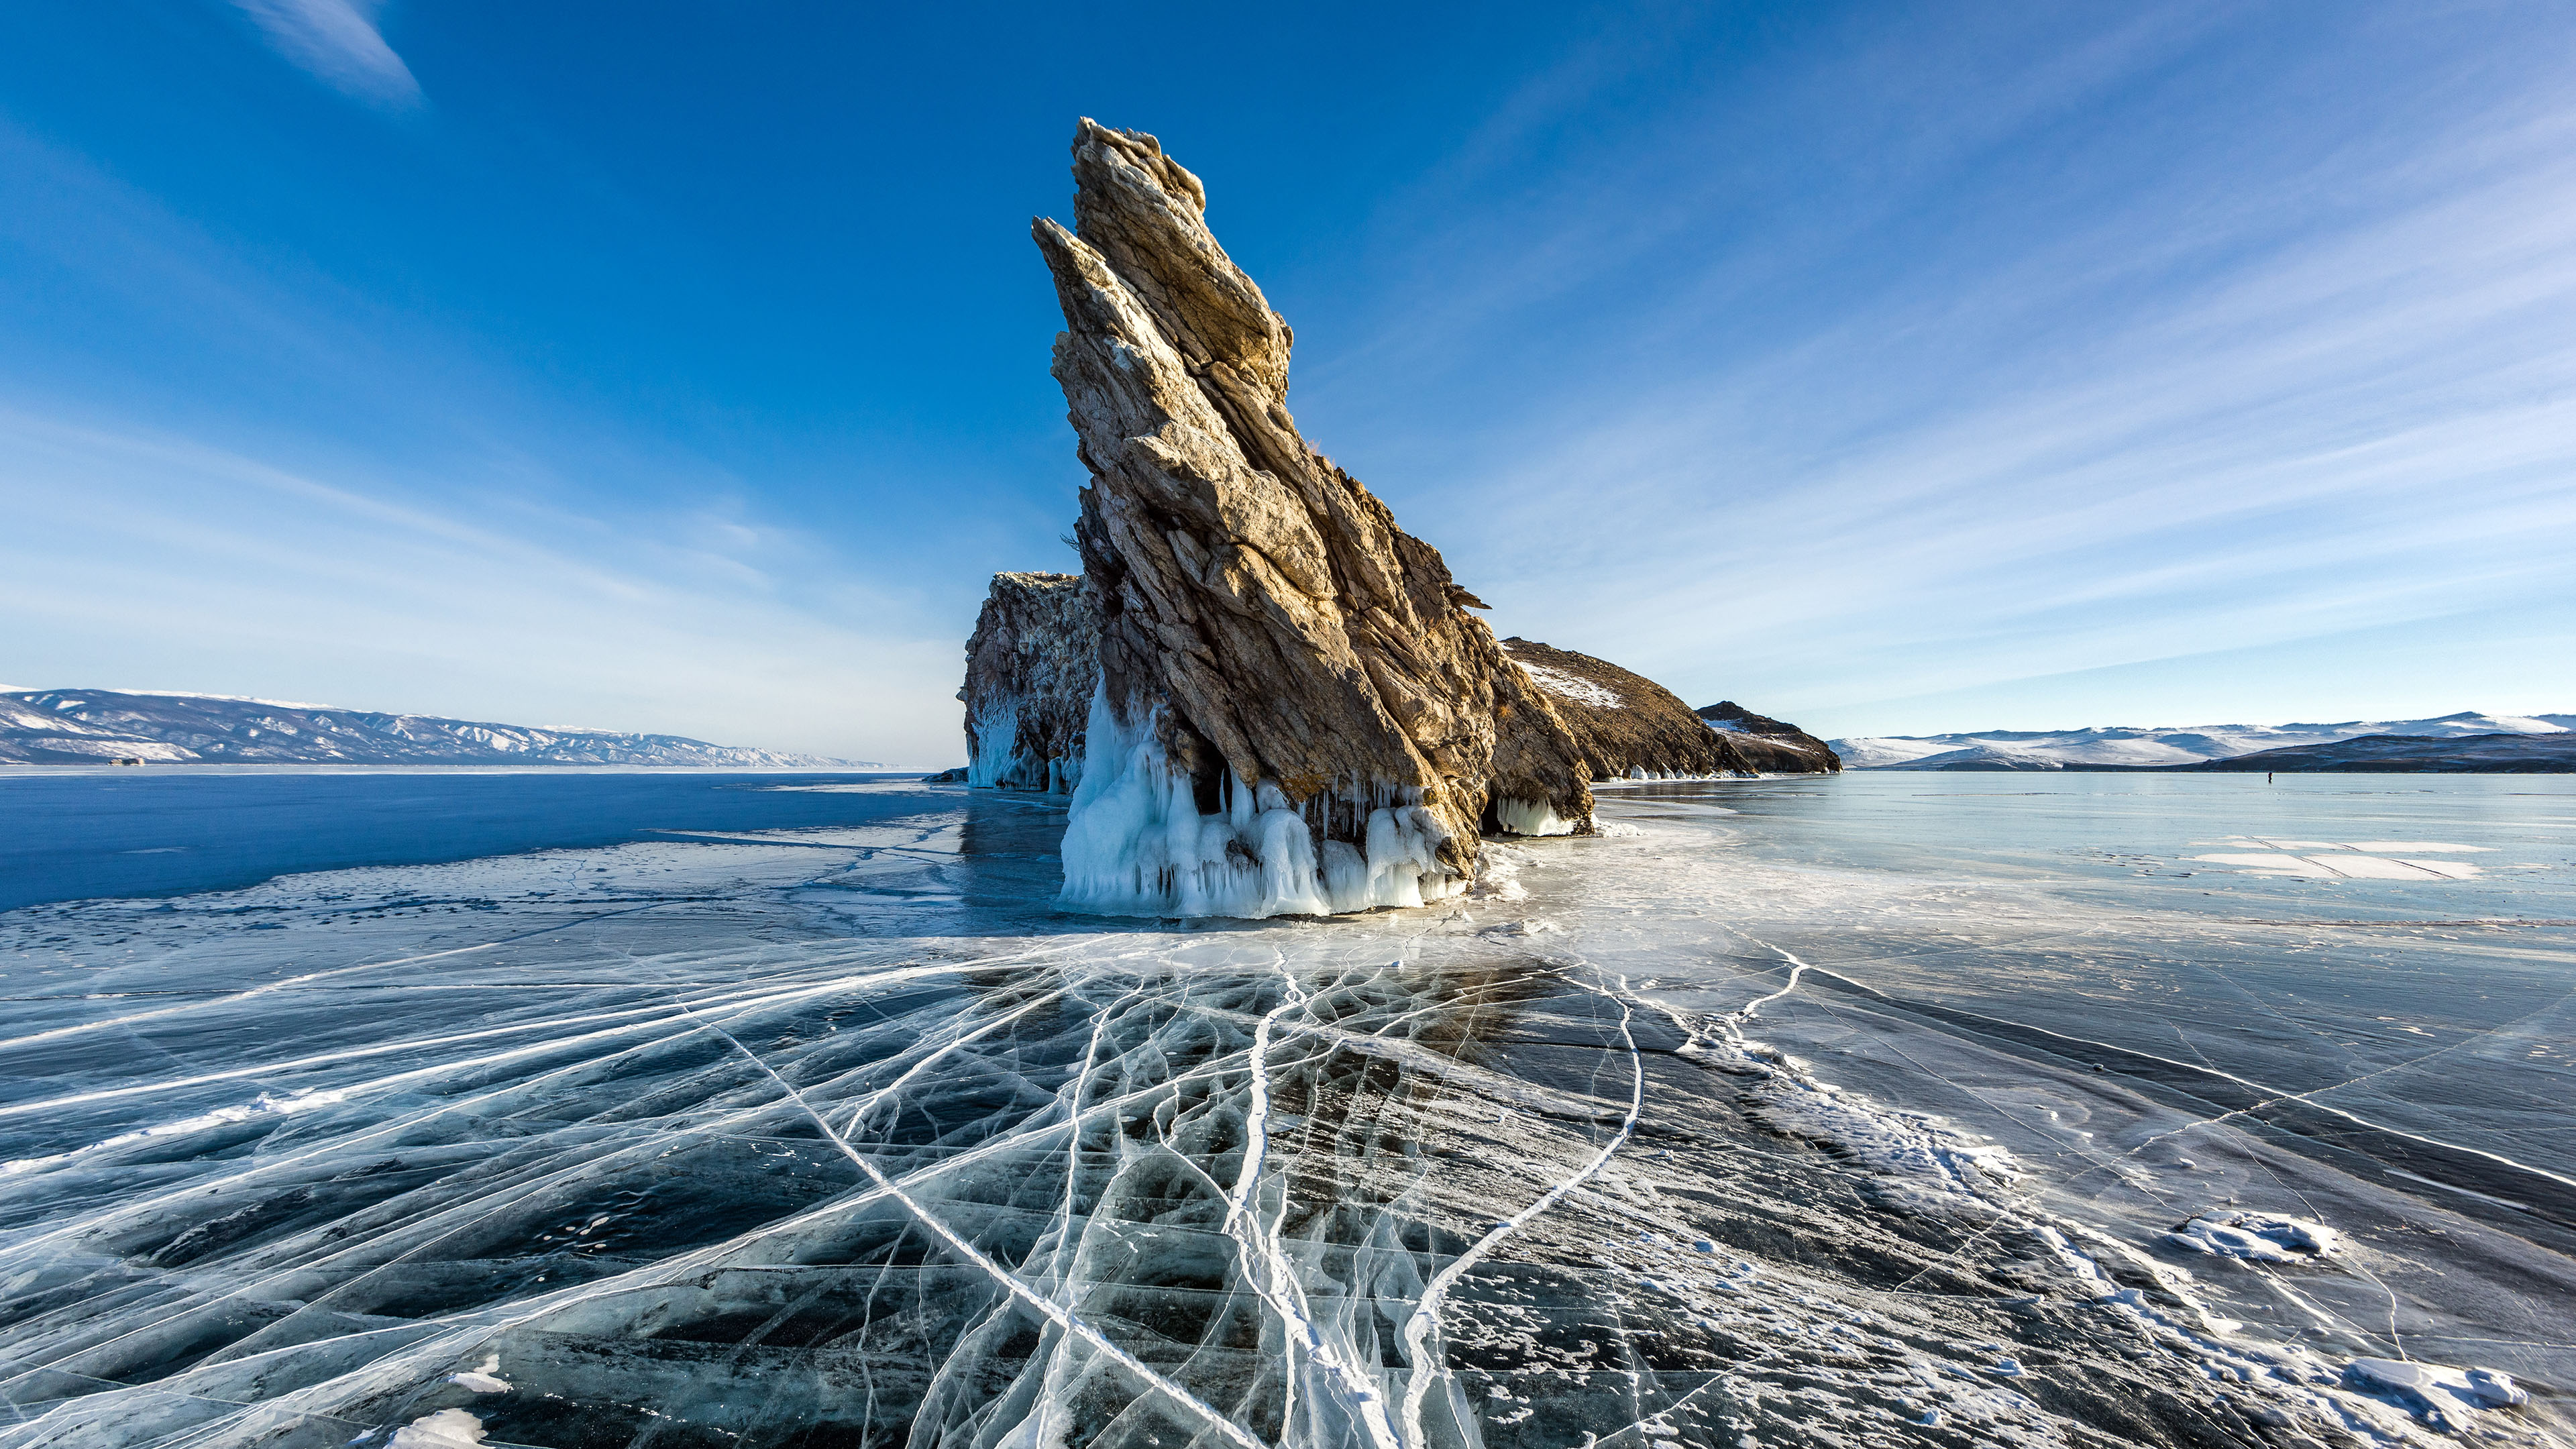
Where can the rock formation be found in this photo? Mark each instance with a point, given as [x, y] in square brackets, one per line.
[1031, 668]
[1629, 727]
[1769, 746]
[1295, 712]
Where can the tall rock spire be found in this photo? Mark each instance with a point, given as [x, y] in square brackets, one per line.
[1295, 712]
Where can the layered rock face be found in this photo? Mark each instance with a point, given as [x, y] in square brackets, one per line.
[1031, 669]
[1629, 727]
[1295, 713]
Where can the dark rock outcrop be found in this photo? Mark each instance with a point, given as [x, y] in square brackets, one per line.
[1296, 711]
[1629, 727]
[1769, 746]
[1030, 671]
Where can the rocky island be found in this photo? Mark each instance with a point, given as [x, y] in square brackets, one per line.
[1285, 704]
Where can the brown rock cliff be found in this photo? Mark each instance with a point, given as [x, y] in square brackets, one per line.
[1265, 628]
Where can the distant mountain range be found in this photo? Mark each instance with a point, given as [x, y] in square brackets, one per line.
[2191, 745]
[2499, 754]
[96, 726]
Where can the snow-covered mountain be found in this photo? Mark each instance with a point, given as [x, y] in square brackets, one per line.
[2171, 745]
[91, 726]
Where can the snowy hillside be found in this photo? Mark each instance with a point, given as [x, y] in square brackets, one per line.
[90, 726]
[2183, 745]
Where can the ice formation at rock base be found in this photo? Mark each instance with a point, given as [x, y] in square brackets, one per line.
[1138, 843]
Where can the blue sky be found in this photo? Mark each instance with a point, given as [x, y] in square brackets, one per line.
[1890, 368]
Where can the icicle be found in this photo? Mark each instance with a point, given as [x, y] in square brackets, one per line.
[1136, 844]
[997, 735]
[1531, 817]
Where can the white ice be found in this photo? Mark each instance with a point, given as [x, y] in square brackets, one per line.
[1531, 817]
[1135, 843]
[446, 1429]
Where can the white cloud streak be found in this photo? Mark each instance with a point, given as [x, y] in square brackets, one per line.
[337, 40]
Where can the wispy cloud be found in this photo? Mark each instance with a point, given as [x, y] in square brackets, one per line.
[1945, 421]
[203, 568]
[337, 40]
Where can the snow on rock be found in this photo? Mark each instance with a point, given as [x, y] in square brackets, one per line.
[1759, 744]
[2257, 1236]
[1032, 667]
[1272, 648]
[1565, 685]
[1631, 728]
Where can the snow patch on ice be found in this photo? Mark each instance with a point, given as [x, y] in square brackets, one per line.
[484, 1378]
[2447, 1397]
[446, 1429]
[2259, 1237]
[1498, 874]
[1936, 1168]
[1929, 1161]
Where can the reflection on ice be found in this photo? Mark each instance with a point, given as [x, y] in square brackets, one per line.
[843, 1137]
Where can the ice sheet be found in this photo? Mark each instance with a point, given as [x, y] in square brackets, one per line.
[776, 1138]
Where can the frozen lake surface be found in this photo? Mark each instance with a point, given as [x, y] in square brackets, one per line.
[73, 834]
[786, 1111]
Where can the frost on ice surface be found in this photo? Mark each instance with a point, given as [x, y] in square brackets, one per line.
[2258, 1236]
[1136, 843]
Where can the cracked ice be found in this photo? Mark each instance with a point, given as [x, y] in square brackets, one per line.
[842, 1137]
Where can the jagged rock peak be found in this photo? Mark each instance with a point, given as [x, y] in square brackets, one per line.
[1031, 668]
[1273, 648]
